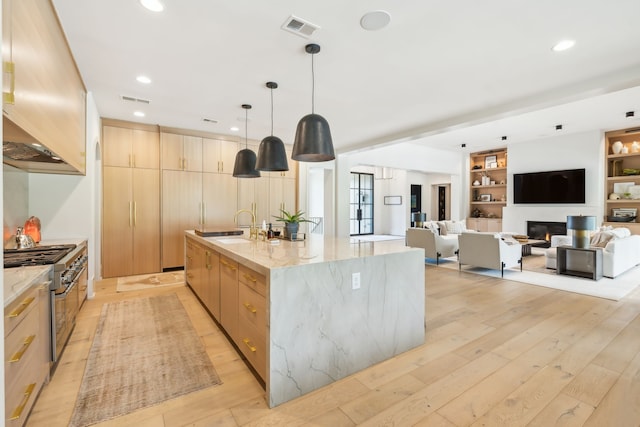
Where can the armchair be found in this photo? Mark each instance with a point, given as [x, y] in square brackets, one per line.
[488, 250]
[434, 245]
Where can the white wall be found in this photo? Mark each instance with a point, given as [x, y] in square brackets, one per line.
[576, 151]
[66, 204]
[15, 200]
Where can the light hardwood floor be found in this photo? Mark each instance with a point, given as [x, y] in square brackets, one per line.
[496, 353]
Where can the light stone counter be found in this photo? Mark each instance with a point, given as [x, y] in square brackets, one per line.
[19, 279]
[320, 329]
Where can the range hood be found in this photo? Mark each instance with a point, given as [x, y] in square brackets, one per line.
[21, 150]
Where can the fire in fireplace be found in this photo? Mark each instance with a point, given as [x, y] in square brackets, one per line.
[543, 230]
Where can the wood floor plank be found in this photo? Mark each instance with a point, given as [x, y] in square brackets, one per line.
[547, 358]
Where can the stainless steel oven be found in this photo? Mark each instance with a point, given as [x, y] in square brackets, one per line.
[69, 276]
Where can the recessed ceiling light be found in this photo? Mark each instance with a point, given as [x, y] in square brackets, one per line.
[138, 113]
[234, 129]
[143, 79]
[376, 20]
[563, 45]
[629, 114]
[504, 138]
[152, 5]
[558, 127]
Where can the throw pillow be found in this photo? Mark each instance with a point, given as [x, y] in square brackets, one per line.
[621, 232]
[443, 228]
[601, 238]
[456, 227]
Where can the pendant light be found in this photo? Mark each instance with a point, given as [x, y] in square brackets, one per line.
[313, 138]
[245, 165]
[271, 154]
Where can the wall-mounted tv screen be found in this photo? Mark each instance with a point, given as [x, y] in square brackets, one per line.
[563, 186]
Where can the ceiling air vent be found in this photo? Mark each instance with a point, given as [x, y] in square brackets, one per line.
[133, 99]
[298, 26]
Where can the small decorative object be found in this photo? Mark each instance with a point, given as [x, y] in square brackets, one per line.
[502, 182]
[475, 213]
[503, 198]
[488, 160]
[635, 147]
[291, 223]
[614, 196]
[476, 167]
[625, 150]
[616, 147]
[485, 197]
[476, 182]
[493, 183]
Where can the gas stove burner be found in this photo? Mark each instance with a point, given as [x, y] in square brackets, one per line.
[41, 255]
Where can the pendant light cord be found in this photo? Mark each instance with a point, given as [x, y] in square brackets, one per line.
[271, 111]
[246, 120]
[313, 86]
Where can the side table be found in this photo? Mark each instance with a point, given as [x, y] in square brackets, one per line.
[580, 262]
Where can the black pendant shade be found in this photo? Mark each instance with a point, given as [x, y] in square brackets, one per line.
[245, 164]
[271, 154]
[313, 141]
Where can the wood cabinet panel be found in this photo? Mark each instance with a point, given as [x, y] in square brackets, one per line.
[116, 143]
[117, 211]
[212, 282]
[146, 221]
[218, 155]
[229, 296]
[220, 199]
[171, 146]
[181, 210]
[44, 69]
[192, 153]
[145, 149]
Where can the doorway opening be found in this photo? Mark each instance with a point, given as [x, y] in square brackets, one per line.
[361, 204]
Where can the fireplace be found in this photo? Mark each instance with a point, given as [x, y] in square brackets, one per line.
[543, 230]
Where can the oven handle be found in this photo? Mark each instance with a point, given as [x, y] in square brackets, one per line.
[69, 288]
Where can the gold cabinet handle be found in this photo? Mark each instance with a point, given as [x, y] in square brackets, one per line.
[9, 68]
[25, 346]
[249, 277]
[232, 267]
[248, 344]
[130, 216]
[22, 307]
[249, 307]
[27, 394]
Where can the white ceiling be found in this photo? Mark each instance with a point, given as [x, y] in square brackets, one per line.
[442, 73]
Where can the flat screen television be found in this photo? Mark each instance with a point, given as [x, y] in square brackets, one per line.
[562, 186]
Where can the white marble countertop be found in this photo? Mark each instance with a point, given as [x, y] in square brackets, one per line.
[263, 255]
[19, 279]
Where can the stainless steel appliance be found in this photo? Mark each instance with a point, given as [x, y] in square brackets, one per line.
[68, 285]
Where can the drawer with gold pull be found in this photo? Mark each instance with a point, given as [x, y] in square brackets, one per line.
[252, 307]
[253, 346]
[19, 308]
[22, 348]
[253, 279]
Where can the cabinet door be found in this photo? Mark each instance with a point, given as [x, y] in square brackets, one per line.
[218, 155]
[192, 152]
[181, 210]
[246, 200]
[228, 151]
[494, 225]
[262, 206]
[146, 221]
[145, 151]
[229, 296]
[117, 208]
[116, 142]
[171, 145]
[219, 195]
[212, 282]
[44, 305]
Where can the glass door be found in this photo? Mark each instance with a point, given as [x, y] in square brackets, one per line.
[361, 203]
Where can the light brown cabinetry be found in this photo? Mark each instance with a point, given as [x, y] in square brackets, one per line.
[485, 224]
[131, 229]
[39, 66]
[26, 351]
[218, 155]
[229, 296]
[488, 184]
[131, 148]
[622, 181]
[181, 152]
[181, 210]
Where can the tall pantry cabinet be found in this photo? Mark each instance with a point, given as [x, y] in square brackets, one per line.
[198, 189]
[131, 200]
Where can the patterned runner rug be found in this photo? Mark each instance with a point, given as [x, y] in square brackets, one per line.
[149, 281]
[145, 351]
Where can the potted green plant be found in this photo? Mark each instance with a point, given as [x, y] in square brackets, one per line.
[291, 223]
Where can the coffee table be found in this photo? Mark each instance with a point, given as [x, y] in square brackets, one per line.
[527, 244]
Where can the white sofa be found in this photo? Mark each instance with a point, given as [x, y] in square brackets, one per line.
[551, 254]
[434, 245]
[620, 250]
[488, 250]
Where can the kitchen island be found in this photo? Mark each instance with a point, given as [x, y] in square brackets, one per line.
[308, 313]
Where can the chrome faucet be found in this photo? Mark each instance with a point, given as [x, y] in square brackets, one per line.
[253, 229]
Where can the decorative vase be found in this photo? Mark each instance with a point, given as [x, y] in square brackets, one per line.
[635, 147]
[616, 147]
[291, 230]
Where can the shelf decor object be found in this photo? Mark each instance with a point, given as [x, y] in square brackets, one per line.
[271, 154]
[581, 225]
[313, 141]
[245, 164]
